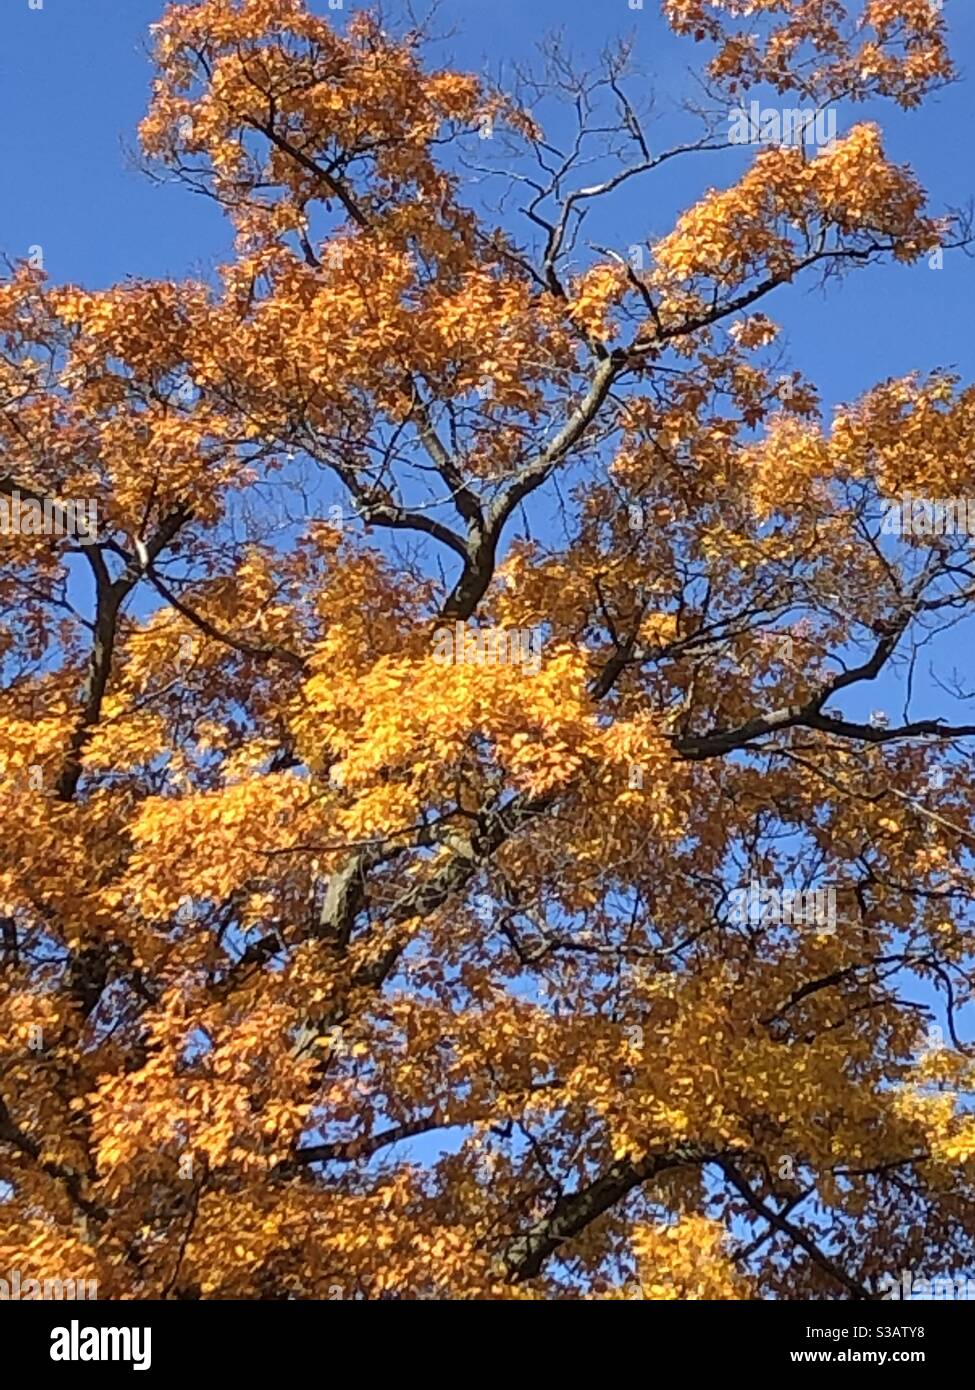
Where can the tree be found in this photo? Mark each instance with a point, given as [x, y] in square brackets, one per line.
[507, 802]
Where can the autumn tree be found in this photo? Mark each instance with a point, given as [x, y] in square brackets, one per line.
[332, 967]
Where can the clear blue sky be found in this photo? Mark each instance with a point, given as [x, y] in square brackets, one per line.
[73, 85]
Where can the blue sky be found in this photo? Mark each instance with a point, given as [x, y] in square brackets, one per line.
[74, 80]
[74, 84]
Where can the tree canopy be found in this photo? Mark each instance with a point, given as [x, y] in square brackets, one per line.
[341, 958]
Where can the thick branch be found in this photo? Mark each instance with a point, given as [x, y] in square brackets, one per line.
[525, 1254]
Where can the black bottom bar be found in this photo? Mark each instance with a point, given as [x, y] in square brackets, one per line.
[97, 1339]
